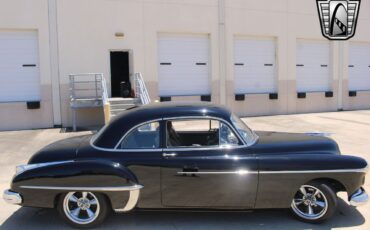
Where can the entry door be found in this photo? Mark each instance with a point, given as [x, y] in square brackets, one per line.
[120, 71]
[208, 176]
[183, 65]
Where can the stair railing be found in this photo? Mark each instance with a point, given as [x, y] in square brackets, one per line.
[105, 90]
[140, 89]
[87, 90]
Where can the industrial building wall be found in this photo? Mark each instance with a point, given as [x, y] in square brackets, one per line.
[25, 65]
[261, 54]
[290, 24]
[87, 28]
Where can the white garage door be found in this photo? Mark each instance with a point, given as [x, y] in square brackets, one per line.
[254, 66]
[19, 68]
[313, 66]
[183, 65]
[359, 67]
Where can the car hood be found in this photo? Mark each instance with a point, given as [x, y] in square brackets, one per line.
[294, 143]
[62, 150]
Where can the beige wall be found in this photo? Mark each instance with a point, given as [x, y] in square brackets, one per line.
[86, 32]
[287, 21]
[29, 15]
[362, 101]
[83, 34]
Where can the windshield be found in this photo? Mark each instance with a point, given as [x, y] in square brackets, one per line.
[245, 132]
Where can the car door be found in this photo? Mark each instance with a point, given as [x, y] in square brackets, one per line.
[222, 174]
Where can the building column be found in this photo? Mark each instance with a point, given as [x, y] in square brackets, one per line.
[340, 74]
[54, 62]
[222, 50]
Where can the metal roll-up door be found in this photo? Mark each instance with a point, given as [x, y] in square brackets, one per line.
[19, 66]
[313, 66]
[183, 65]
[359, 67]
[254, 66]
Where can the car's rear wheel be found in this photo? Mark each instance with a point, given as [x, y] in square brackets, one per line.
[314, 202]
[83, 209]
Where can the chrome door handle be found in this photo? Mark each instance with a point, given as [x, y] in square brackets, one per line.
[169, 154]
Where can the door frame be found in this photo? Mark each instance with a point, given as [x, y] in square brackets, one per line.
[130, 66]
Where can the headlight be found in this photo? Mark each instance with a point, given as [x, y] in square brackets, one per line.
[22, 168]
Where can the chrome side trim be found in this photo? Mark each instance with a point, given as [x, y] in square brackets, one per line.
[239, 172]
[359, 198]
[25, 167]
[99, 189]
[244, 172]
[362, 170]
[202, 148]
[125, 150]
[132, 201]
[12, 197]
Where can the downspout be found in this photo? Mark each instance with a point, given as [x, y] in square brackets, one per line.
[54, 62]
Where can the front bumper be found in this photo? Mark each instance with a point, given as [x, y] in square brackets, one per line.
[12, 197]
[359, 198]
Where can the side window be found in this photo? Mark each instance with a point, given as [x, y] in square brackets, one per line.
[144, 137]
[192, 133]
[227, 136]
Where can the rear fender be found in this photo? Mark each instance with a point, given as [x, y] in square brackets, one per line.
[40, 186]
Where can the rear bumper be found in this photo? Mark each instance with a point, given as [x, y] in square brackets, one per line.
[12, 197]
[359, 198]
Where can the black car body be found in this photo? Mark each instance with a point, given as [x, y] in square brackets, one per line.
[151, 172]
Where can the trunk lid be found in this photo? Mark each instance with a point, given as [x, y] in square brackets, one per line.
[62, 150]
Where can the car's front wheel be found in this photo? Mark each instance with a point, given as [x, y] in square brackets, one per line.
[83, 209]
[314, 202]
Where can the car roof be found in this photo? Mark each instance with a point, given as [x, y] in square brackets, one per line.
[128, 119]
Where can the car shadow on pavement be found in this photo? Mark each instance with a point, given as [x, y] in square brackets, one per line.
[33, 218]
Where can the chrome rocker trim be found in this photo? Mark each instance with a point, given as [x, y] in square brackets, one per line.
[359, 198]
[12, 197]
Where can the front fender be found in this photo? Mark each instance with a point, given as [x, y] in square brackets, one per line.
[282, 175]
[40, 186]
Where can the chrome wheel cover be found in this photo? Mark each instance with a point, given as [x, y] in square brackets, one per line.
[309, 203]
[81, 207]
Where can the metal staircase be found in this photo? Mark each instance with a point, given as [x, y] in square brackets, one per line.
[90, 91]
[118, 105]
[87, 91]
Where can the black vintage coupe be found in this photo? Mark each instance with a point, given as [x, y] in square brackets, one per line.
[187, 156]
